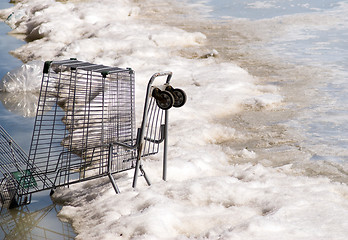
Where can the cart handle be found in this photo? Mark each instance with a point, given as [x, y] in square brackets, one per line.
[159, 74]
[149, 85]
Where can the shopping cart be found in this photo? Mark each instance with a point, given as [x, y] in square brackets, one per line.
[85, 128]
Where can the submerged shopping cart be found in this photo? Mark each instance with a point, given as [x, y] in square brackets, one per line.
[85, 129]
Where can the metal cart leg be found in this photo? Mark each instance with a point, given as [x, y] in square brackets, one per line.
[164, 176]
[144, 174]
[112, 180]
[139, 166]
[136, 172]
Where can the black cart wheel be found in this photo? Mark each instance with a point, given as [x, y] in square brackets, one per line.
[180, 97]
[164, 99]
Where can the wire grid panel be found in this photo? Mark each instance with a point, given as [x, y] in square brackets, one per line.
[154, 129]
[83, 109]
[13, 173]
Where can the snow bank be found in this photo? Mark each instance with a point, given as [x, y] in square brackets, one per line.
[206, 196]
[242, 202]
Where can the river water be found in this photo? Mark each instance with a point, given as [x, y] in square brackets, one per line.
[39, 219]
[17, 125]
[301, 47]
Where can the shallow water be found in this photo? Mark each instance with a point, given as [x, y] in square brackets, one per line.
[252, 9]
[39, 219]
[301, 47]
[19, 127]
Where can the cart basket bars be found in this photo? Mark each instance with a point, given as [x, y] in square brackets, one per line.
[85, 127]
[13, 174]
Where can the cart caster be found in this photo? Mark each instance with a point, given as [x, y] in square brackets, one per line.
[52, 191]
[164, 99]
[13, 204]
[179, 96]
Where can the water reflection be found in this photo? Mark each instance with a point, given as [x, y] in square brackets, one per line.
[37, 220]
[23, 104]
[23, 223]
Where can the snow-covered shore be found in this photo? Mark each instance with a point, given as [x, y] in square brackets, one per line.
[207, 195]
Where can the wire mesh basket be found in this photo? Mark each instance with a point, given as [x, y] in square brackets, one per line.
[83, 108]
[13, 174]
[85, 126]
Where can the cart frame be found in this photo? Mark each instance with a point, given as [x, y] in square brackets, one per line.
[40, 175]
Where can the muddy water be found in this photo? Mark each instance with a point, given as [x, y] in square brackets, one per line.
[267, 132]
[37, 220]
